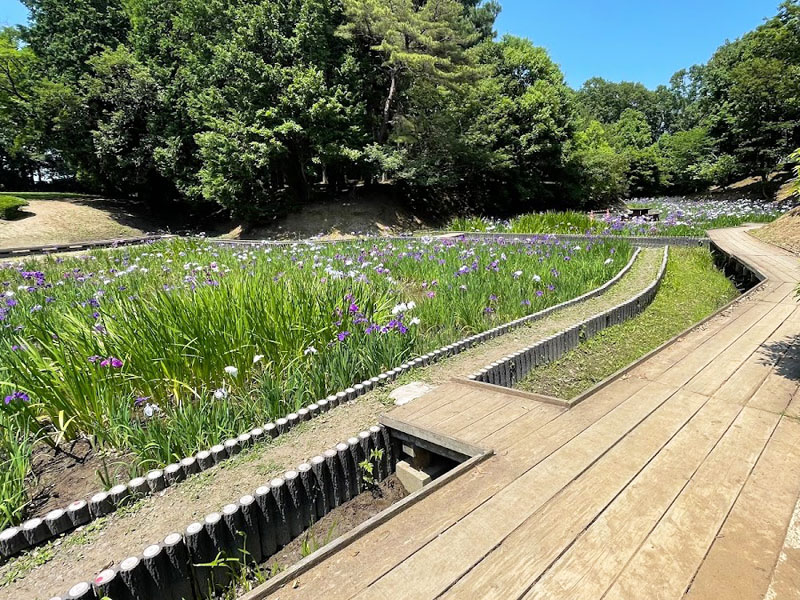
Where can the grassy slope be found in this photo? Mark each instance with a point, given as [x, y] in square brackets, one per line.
[692, 290]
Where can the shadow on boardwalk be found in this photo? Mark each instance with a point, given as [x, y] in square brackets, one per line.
[786, 353]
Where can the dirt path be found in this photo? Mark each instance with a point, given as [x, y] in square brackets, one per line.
[53, 568]
[71, 220]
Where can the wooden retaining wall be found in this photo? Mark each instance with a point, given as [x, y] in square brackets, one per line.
[251, 529]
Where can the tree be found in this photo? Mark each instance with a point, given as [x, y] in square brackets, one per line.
[277, 107]
[65, 34]
[18, 88]
[416, 41]
[751, 93]
[602, 170]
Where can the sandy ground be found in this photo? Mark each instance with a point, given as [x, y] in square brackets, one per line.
[71, 220]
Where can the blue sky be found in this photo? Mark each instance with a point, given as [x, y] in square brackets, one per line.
[632, 40]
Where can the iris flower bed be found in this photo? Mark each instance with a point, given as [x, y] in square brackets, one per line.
[678, 217]
[165, 349]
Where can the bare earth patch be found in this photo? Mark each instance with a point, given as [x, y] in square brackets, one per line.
[67, 220]
[82, 553]
[784, 232]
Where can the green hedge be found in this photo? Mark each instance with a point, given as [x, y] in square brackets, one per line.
[10, 205]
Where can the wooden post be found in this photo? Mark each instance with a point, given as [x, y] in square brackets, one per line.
[252, 529]
[58, 522]
[282, 523]
[81, 591]
[78, 513]
[295, 502]
[266, 521]
[201, 551]
[135, 577]
[179, 564]
[324, 502]
[35, 531]
[109, 583]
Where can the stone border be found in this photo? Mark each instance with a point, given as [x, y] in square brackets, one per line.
[511, 369]
[41, 529]
[256, 527]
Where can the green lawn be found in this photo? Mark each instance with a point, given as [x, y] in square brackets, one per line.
[692, 290]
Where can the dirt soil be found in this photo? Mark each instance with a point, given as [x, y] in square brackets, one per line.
[68, 220]
[336, 523]
[784, 232]
[375, 214]
[61, 476]
[51, 569]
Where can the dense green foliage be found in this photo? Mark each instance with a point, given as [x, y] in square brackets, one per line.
[10, 205]
[692, 290]
[255, 105]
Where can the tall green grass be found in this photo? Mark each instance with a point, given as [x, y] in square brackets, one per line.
[221, 339]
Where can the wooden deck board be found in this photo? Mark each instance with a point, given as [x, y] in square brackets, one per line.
[512, 566]
[667, 561]
[744, 553]
[680, 478]
[595, 560]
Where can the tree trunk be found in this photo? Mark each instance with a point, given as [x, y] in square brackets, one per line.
[387, 108]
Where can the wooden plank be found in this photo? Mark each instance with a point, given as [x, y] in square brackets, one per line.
[404, 535]
[782, 292]
[439, 396]
[459, 398]
[509, 569]
[708, 380]
[656, 365]
[785, 581]
[740, 562]
[517, 415]
[475, 411]
[434, 566]
[664, 566]
[590, 566]
[754, 370]
[781, 384]
[616, 392]
[684, 368]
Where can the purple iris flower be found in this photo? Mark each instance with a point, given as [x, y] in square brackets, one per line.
[17, 396]
[342, 335]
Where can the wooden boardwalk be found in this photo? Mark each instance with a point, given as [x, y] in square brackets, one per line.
[678, 480]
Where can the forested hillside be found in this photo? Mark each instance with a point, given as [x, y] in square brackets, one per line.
[256, 105]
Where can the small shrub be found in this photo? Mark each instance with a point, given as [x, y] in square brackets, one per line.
[10, 205]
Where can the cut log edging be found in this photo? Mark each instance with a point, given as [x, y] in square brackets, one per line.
[511, 369]
[41, 529]
[251, 529]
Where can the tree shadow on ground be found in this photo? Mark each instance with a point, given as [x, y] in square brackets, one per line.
[785, 355]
